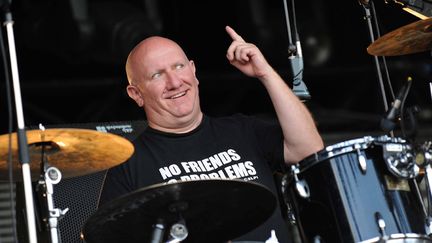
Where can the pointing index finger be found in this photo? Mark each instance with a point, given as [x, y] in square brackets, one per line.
[233, 34]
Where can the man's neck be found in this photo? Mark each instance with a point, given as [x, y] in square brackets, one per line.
[178, 127]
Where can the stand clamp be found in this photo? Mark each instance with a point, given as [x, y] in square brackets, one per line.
[51, 177]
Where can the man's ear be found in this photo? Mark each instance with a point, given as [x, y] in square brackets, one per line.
[135, 94]
[192, 63]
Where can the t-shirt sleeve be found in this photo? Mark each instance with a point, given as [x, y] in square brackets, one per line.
[269, 138]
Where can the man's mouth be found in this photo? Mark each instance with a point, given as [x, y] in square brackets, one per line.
[178, 95]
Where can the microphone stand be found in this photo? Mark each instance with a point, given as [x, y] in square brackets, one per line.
[21, 133]
[296, 57]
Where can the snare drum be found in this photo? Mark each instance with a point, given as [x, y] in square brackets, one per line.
[361, 190]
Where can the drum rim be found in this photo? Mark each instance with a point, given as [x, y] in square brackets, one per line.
[344, 147]
[398, 236]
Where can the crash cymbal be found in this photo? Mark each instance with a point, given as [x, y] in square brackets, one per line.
[213, 211]
[74, 152]
[412, 38]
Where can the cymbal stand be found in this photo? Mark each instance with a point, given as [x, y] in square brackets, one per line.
[178, 232]
[158, 231]
[21, 134]
[367, 6]
[427, 152]
[50, 175]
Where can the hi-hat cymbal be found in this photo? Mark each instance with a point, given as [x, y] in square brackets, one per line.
[74, 152]
[412, 38]
[213, 211]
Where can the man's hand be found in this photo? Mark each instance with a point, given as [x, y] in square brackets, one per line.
[246, 56]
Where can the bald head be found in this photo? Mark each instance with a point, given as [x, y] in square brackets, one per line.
[147, 52]
[162, 80]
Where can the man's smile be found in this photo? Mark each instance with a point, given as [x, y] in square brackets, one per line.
[178, 95]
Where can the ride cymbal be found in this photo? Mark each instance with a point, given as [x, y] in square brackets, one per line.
[212, 210]
[412, 38]
[74, 152]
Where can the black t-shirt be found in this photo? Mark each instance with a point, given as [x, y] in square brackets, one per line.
[235, 147]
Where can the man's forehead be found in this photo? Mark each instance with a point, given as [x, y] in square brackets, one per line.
[155, 48]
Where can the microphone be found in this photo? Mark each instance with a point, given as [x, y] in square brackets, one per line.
[296, 61]
[388, 122]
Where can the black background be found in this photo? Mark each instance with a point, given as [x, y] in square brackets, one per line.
[71, 58]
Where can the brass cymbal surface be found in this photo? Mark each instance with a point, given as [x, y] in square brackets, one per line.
[409, 39]
[74, 152]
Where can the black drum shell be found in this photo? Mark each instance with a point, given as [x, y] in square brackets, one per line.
[345, 202]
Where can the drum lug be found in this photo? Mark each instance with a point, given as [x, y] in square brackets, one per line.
[381, 225]
[301, 186]
[361, 159]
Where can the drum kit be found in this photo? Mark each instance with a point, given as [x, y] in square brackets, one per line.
[367, 189]
[360, 190]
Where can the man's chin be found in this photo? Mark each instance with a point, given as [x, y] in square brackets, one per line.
[186, 115]
[183, 115]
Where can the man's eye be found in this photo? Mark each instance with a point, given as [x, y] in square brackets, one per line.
[179, 66]
[156, 75]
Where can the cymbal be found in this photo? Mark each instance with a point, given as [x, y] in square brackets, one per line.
[412, 38]
[213, 211]
[74, 152]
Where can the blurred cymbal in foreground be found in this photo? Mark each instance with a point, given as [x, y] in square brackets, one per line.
[213, 210]
[74, 152]
[412, 38]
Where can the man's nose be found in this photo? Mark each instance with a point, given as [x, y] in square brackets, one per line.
[173, 81]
